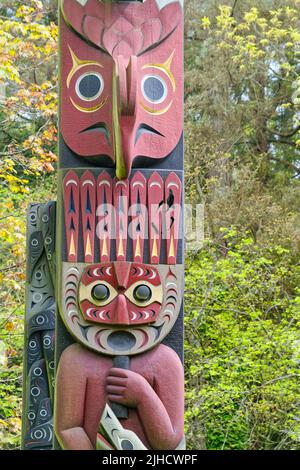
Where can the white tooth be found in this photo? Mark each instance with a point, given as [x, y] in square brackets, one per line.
[153, 275]
[101, 314]
[89, 312]
[146, 315]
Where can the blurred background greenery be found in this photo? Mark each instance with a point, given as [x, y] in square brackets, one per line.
[242, 296]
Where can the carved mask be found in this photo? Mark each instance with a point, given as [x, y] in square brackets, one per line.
[117, 315]
[120, 293]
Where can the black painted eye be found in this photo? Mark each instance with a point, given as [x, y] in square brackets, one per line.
[142, 293]
[89, 86]
[154, 89]
[100, 292]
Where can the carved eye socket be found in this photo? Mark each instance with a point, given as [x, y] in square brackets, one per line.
[142, 293]
[89, 86]
[154, 89]
[100, 292]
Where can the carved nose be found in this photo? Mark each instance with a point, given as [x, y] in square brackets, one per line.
[121, 314]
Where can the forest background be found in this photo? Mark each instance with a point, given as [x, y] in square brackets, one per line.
[242, 142]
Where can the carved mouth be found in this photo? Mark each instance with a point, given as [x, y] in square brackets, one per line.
[145, 129]
[98, 127]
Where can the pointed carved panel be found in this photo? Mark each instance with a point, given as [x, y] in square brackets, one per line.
[105, 214]
[172, 215]
[121, 201]
[138, 200]
[155, 208]
[88, 214]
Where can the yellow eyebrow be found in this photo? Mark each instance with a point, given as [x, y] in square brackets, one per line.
[166, 68]
[91, 109]
[78, 64]
[157, 112]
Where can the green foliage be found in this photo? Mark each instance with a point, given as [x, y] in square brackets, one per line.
[242, 322]
[28, 92]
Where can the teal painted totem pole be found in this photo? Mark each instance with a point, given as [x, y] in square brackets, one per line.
[103, 323]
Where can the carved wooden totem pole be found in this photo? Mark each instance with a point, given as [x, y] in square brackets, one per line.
[111, 285]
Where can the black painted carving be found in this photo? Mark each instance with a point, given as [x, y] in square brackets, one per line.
[39, 362]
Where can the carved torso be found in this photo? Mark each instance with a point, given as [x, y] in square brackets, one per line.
[83, 377]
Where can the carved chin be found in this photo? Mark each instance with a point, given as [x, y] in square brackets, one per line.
[110, 340]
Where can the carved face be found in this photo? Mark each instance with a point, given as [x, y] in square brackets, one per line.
[124, 308]
[121, 80]
[120, 293]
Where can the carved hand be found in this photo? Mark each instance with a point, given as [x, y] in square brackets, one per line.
[126, 387]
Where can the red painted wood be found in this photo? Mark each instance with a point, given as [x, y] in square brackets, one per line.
[88, 214]
[71, 214]
[121, 307]
[140, 41]
[112, 25]
[121, 202]
[172, 215]
[138, 201]
[155, 208]
[156, 416]
[105, 214]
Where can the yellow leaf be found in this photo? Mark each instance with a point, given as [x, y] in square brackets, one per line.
[9, 326]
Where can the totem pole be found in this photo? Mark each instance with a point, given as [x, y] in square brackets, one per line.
[111, 285]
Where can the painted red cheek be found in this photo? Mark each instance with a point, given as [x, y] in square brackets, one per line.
[100, 272]
[142, 315]
[140, 272]
[94, 313]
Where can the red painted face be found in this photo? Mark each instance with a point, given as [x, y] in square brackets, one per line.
[120, 293]
[121, 81]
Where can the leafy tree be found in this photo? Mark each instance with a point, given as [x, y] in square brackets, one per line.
[28, 105]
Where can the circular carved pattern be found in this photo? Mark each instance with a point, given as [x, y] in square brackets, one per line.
[142, 293]
[37, 371]
[35, 391]
[154, 89]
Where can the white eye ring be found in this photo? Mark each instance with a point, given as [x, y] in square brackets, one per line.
[96, 95]
[162, 82]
